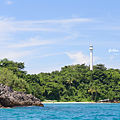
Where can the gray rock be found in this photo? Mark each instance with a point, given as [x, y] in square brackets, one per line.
[10, 98]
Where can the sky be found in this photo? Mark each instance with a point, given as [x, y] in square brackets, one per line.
[49, 34]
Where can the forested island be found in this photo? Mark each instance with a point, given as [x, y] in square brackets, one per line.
[72, 83]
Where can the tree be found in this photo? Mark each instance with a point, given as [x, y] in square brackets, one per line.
[16, 67]
[18, 84]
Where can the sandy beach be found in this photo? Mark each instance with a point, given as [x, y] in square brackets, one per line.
[67, 102]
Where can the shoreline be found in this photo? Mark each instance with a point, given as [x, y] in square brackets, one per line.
[67, 102]
[75, 102]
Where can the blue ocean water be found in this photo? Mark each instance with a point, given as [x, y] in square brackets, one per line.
[55, 111]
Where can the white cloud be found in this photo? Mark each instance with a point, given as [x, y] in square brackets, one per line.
[61, 25]
[9, 2]
[112, 57]
[32, 42]
[51, 54]
[14, 55]
[62, 21]
[37, 41]
[80, 58]
[10, 25]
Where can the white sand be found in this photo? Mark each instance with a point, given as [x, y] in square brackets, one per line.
[68, 102]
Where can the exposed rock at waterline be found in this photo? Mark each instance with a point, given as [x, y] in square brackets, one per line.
[10, 98]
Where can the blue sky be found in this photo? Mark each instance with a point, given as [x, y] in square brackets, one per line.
[49, 34]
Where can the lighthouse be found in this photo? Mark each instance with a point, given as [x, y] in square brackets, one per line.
[91, 57]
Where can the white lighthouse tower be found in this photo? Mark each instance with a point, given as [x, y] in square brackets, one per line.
[91, 57]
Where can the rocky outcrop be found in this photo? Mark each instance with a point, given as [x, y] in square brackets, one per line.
[108, 101]
[10, 98]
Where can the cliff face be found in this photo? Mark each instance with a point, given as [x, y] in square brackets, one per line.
[10, 98]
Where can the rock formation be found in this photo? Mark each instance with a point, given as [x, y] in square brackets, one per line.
[10, 98]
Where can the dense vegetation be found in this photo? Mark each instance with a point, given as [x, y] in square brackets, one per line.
[72, 83]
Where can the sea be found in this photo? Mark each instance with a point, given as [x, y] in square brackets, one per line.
[63, 111]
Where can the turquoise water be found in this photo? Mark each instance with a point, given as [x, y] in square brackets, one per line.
[75, 111]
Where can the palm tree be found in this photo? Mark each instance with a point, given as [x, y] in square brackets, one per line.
[70, 82]
[92, 90]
